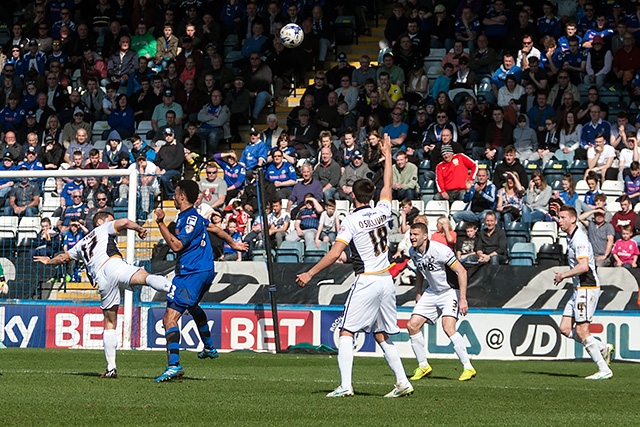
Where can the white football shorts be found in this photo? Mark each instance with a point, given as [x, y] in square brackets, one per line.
[371, 305]
[583, 304]
[114, 275]
[432, 306]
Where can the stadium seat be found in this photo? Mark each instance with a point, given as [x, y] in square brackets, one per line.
[100, 144]
[577, 169]
[418, 204]
[49, 185]
[290, 252]
[428, 191]
[345, 32]
[312, 254]
[437, 208]
[343, 207]
[531, 165]
[516, 232]
[143, 127]
[612, 188]
[582, 187]
[395, 205]
[522, 254]
[99, 126]
[554, 170]
[457, 206]
[613, 207]
[461, 229]
[550, 255]
[8, 227]
[543, 232]
[486, 164]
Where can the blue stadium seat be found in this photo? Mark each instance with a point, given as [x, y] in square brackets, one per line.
[291, 252]
[554, 170]
[523, 254]
[577, 169]
[313, 254]
[516, 232]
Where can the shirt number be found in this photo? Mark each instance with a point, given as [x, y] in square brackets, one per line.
[379, 240]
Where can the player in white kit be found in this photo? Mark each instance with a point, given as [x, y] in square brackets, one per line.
[444, 297]
[110, 273]
[371, 304]
[579, 310]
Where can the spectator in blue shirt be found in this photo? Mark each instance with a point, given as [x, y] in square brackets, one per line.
[571, 30]
[256, 151]
[595, 126]
[282, 174]
[234, 173]
[500, 76]
[32, 163]
[539, 113]
[231, 254]
[11, 115]
[601, 29]
[573, 61]
[588, 21]
[548, 24]
[6, 184]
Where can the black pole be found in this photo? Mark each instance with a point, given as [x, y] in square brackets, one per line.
[262, 208]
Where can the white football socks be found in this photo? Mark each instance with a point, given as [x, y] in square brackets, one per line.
[460, 347]
[159, 283]
[417, 344]
[593, 348]
[345, 360]
[392, 357]
[110, 342]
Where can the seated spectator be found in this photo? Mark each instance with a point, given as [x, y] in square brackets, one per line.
[589, 197]
[405, 178]
[626, 61]
[625, 251]
[498, 134]
[304, 135]
[256, 151]
[573, 61]
[213, 187]
[6, 184]
[492, 243]
[397, 130]
[160, 112]
[239, 214]
[166, 46]
[508, 67]
[480, 198]
[215, 119]
[231, 254]
[282, 174]
[562, 87]
[76, 210]
[508, 95]
[121, 64]
[271, 135]
[539, 113]
[537, 199]
[121, 119]
[327, 172]
[454, 56]
[569, 138]
[24, 198]
[234, 173]
[31, 163]
[328, 225]
[483, 59]
[356, 170]
[346, 149]
[536, 75]
[70, 238]
[444, 233]
[113, 150]
[510, 199]
[10, 145]
[625, 216]
[48, 241]
[467, 27]
[442, 28]
[307, 222]
[599, 61]
[408, 214]
[631, 183]
[600, 158]
[568, 193]
[395, 73]
[444, 80]
[466, 247]
[620, 130]
[279, 221]
[452, 174]
[549, 140]
[600, 233]
[101, 205]
[525, 140]
[139, 146]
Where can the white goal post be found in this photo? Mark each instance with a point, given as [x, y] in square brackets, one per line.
[131, 214]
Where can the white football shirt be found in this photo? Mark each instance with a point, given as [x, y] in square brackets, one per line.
[96, 248]
[580, 247]
[433, 264]
[365, 231]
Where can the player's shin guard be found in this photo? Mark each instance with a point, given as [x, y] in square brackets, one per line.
[159, 283]
[593, 348]
[345, 360]
[110, 341]
[173, 346]
[460, 348]
[200, 318]
[417, 344]
[392, 357]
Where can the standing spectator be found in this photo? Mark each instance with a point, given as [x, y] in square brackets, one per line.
[327, 172]
[121, 64]
[234, 173]
[238, 101]
[492, 244]
[599, 63]
[498, 135]
[452, 174]
[600, 233]
[169, 161]
[497, 23]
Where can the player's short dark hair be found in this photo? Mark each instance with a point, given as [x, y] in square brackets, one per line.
[190, 189]
[363, 190]
[104, 216]
[570, 209]
[419, 225]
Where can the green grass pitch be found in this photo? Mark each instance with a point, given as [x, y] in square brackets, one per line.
[62, 387]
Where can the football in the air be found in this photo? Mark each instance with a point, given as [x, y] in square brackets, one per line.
[291, 35]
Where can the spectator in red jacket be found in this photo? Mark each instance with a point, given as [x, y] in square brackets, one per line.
[625, 216]
[452, 174]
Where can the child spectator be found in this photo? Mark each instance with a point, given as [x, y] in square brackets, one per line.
[229, 253]
[445, 234]
[568, 194]
[632, 183]
[625, 251]
[71, 237]
[238, 215]
[407, 214]
[329, 224]
[467, 246]
[278, 222]
[48, 240]
[307, 222]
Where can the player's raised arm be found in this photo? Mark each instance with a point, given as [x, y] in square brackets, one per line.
[127, 224]
[238, 246]
[59, 259]
[387, 177]
[174, 243]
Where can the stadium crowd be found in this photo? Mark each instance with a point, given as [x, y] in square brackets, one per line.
[510, 121]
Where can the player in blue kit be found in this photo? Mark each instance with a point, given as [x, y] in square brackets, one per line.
[193, 276]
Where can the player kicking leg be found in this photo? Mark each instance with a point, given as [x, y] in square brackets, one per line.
[440, 299]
